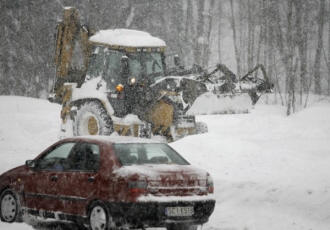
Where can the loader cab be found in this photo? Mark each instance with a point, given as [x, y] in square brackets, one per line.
[133, 69]
[127, 68]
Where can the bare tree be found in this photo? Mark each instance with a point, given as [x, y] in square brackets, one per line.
[237, 54]
[328, 62]
[317, 70]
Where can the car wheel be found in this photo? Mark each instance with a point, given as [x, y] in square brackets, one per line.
[10, 210]
[99, 218]
[92, 119]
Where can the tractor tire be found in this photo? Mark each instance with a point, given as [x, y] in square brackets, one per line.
[92, 119]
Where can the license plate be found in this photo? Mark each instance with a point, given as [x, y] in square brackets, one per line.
[179, 211]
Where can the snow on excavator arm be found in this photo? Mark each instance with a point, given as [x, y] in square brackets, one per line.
[70, 33]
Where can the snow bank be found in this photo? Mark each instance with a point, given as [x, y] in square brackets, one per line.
[270, 171]
[27, 126]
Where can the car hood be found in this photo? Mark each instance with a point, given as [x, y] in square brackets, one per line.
[12, 175]
[14, 171]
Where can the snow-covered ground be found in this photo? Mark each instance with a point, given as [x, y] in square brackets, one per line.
[270, 171]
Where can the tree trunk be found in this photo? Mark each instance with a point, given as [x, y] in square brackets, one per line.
[199, 35]
[317, 70]
[263, 35]
[219, 31]
[208, 7]
[329, 52]
[290, 73]
[235, 38]
[250, 38]
[302, 43]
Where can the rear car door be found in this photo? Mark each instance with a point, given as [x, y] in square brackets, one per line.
[81, 179]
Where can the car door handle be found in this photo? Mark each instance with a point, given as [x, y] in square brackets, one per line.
[53, 178]
[91, 179]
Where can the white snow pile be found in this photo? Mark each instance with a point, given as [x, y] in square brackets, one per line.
[126, 37]
[270, 171]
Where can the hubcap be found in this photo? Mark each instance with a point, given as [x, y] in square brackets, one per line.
[93, 128]
[98, 218]
[8, 207]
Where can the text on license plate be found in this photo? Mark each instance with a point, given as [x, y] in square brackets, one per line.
[179, 211]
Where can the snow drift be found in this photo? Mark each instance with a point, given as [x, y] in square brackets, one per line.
[270, 171]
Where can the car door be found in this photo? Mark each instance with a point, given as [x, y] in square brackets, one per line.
[80, 181]
[41, 185]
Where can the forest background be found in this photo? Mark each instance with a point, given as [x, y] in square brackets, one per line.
[291, 38]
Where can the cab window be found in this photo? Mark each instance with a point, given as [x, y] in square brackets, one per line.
[145, 65]
[112, 69]
[96, 64]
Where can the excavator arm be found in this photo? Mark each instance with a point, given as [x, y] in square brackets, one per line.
[70, 34]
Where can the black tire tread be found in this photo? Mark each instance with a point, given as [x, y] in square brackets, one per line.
[98, 110]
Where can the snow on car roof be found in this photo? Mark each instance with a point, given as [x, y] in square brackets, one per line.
[126, 37]
[119, 139]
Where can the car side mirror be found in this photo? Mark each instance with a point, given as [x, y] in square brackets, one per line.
[30, 163]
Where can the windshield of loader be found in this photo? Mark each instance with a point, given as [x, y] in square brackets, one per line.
[106, 63]
[145, 65]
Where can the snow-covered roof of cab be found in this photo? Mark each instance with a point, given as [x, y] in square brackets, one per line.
[127, 38]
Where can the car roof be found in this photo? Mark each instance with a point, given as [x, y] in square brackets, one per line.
[113, 139]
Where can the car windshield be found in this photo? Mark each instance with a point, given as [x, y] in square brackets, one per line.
[138, 153]
[145, 65]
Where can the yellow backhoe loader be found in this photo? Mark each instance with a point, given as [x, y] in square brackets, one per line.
[116, 81]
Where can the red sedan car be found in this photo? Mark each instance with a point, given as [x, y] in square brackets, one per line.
[107, 183]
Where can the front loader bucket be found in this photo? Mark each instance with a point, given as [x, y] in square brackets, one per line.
[209, 103]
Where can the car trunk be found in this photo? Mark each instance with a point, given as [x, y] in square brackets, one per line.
[170, 180]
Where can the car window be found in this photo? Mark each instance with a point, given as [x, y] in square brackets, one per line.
[85, 157]
[129, 154]
[55, 159]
